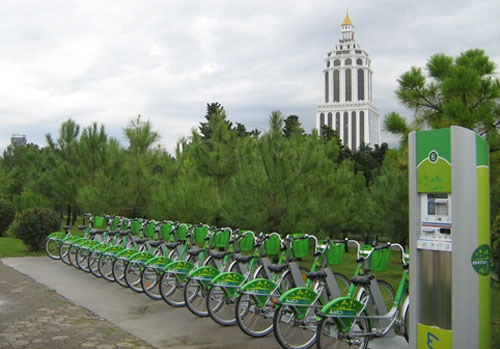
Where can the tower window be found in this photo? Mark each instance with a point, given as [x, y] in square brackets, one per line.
[361, 85]
[362, 127]
[359, 61]
[336, 62]
[348, 61]
[327, 88]
[336, 86]
[346, 128]
[353, 131]
[337, 122]
[330, 120]
[348, 85]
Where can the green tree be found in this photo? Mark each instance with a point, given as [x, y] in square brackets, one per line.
[140, 164]
[293, 126]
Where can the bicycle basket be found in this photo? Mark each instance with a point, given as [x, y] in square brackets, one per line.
[222, 238]
[182, 232]
[99, 222]
[273, 245]
[247, 243]
[379, 259]
[335, 254]
[300, 246]
[200, 233]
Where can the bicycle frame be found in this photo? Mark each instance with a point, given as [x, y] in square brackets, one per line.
[344, 311]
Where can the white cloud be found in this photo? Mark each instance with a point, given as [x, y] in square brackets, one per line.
[108, 61]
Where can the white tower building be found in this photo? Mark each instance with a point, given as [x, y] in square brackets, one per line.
[348, 106]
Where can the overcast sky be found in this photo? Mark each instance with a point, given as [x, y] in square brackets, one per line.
[108, 61]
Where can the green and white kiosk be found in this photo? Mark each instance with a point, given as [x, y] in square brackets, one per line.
[449, 240]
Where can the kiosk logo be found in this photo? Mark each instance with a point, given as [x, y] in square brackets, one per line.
[481, 260]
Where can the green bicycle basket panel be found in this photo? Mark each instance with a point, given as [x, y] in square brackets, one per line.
[136, 226]
[247, 242]
[273, 245]
[165, 230]
[300, 246]
[200, 233]
[99, 221]
[182, 232]
[335, 254]
[115, 223]
[149, 230]
[222, 238]
[379, 259]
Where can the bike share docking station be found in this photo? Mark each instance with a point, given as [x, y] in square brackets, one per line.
[449, 240]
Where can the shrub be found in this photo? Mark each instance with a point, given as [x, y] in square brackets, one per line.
[33, 225]
[7, 214]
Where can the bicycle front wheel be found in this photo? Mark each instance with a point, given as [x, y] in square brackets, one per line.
[172, 289]
[82, 256]
[93, 263]
[150, 282]
[195, 293]
[220, 306]
[52, 248]
[119, 271]
[329, 336]
[253, 320]
[106, 267]
[133, 272]
[64, 253]
[292, 332]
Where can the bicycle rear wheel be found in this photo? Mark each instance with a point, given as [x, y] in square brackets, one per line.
[220, 306]
[195, 294]
[253, 320]
[292, 332]
[52, 248]
[329, 336]
[343, 283]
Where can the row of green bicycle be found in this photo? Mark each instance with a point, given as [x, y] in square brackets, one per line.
[259, 282]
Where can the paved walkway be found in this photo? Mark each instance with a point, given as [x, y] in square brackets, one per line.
[33, 316]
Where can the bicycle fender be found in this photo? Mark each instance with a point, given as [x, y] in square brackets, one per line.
[259, 286]
[181, 267]
[343, 310]
[204, 273]
[158, 262]
[57, 235]
[113, 249]
[125, 254]
[141, 257]
[228, 279]
[261, 289]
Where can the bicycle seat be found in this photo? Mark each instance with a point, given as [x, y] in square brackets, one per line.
[219, 254]
[316, 274]
[155, 243]
[278, 268]
[172, 245]
[243, 258]
[362, 280]
[141, 241]
[194, 251]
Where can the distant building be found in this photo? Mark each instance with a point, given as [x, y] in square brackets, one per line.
[348, 106]
[18, 139]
